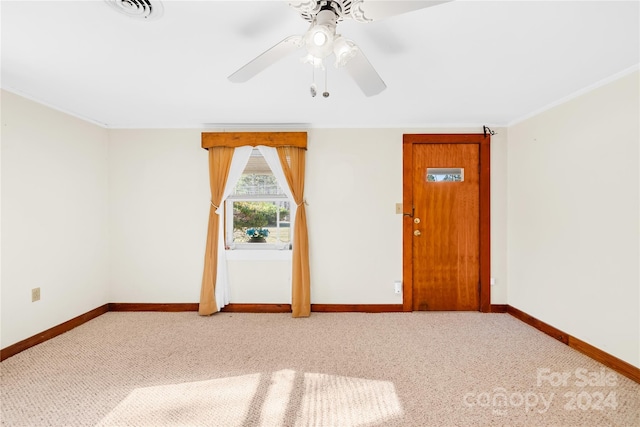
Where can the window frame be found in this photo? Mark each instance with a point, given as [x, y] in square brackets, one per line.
[278, 197]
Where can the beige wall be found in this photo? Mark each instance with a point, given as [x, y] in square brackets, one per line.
[158, 210]
[54, 218]
[573, 217]
[354, 179]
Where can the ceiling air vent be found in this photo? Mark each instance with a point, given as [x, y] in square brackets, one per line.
[139, 9]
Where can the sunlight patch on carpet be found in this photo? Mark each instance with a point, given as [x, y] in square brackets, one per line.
[223, 401]
[274, 408]
[320, 400]
[331, 400]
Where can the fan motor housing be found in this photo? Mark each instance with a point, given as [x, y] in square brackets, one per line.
[309, 9]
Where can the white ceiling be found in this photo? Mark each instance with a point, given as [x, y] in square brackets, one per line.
[463, 63]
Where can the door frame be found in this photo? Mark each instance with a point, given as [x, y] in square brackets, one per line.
[484, 145]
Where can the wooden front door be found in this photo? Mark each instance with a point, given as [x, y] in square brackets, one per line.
[443, 226]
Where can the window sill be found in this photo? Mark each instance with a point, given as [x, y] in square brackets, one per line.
[258, 254]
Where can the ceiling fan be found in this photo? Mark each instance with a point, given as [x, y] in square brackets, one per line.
[321, 39]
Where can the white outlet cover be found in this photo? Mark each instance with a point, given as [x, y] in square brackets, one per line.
[397, 286]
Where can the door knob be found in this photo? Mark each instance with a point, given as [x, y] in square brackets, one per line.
[417, 233]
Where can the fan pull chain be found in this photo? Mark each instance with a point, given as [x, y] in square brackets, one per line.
[313, 89]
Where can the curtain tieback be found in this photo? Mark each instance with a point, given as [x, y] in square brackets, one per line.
[213, 204]
[304, 202]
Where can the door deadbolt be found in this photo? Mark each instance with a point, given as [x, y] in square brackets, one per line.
[416, 220]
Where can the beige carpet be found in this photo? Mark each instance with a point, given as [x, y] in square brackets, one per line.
[342, 369]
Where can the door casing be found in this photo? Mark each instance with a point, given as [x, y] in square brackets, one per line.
[484, 143]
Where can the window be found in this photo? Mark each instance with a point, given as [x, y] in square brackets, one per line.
[258, 212]
[445, 174]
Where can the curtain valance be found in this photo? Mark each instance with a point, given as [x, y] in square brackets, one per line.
[240, 139]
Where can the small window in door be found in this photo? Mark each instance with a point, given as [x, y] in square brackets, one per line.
[445, 174]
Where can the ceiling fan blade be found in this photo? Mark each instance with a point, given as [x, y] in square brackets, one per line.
[267, 58]
[374, 10]
[361, 70]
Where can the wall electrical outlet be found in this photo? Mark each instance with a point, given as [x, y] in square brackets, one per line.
[35, 294]
[397, 287]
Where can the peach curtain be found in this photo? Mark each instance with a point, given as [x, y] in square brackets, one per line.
[219, 165]
[293, 165]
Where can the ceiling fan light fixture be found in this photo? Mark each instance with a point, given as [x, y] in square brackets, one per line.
[319, 38]
[319, 41]
[310, 59]
[344, 50]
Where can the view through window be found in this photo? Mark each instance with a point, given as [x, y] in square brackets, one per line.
[258, 210]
